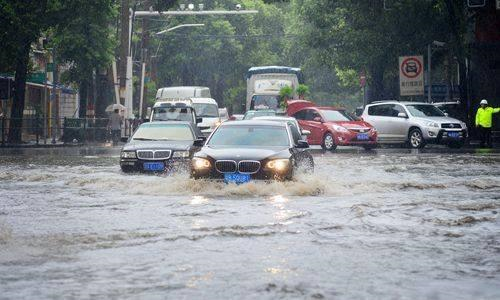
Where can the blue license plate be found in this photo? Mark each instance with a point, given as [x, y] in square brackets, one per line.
[454, 134]
[154, 166]
[363, 137]
[236, 178]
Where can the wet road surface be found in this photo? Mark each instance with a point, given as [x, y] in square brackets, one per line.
[389, 224]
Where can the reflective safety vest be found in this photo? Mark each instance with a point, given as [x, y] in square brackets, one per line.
[484, 116]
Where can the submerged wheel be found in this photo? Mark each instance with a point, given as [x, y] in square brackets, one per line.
[328, 142]
[416, 139]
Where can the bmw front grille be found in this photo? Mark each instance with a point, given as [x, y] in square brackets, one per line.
[154, 154]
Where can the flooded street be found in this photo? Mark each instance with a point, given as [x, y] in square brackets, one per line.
[388, 224]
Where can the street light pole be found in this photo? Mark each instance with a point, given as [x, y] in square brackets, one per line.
[429, 80]
[189, 12]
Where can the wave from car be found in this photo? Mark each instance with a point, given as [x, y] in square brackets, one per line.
[242, 151]
[160, 147]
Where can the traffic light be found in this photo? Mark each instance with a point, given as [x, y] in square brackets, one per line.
[476, 3]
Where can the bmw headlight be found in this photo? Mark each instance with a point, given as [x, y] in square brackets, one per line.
[339, 128]
[432, 124]
[128, 154]
[180, 154]
[200, 163]
[278, 164]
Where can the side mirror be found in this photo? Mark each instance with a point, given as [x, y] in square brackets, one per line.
[124, 139]
[199, 120]
[145, 120]
[306, 132]
[402, 115]
[302, 144]
[199, 142]
[317, 119]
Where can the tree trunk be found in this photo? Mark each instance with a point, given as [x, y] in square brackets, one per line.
[377, 84]
[84, 95]
[16, 122]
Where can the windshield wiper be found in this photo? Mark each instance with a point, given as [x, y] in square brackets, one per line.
[143, 139]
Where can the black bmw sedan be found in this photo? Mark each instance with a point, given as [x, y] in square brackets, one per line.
[241, 151]
[160, 147]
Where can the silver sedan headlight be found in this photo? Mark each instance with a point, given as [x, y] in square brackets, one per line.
[128, 154]
[180, 154]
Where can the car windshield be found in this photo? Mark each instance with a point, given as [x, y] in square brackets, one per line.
[206, 110]
[424, 110]
[258, 113]
[265, 102]
[336, 115]
[242, 135]
[159, 132]
[173, 114]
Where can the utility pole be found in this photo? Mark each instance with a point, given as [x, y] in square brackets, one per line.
[145, 62]
[53, 104]
[124, 47]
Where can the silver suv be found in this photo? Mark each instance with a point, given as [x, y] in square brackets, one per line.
[414, 123]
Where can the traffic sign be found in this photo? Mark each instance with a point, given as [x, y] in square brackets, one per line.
[411, 78]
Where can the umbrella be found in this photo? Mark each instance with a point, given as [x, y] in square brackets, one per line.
[112, 107]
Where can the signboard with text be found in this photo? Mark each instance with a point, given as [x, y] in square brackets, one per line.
[411, 75]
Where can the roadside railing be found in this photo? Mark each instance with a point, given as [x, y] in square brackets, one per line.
[39, 130]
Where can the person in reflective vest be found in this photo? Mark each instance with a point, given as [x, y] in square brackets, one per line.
[484, 122]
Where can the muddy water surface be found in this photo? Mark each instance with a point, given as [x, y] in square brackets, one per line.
[385, 225]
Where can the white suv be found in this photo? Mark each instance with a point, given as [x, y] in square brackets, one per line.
[415, 123]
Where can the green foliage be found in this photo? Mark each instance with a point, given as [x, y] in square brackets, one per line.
[302, 91]
[351, 35]
[286, 93]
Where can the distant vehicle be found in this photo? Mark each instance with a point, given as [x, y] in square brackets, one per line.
[242, 151]
[236, 117]
[414, 123]
[160, 147]
[453, 109]
[331, 127]
[223, 114]
[175, 110]
[208, 110]
[285, 119]
[264, 85]
[258, 113]
[183, 92]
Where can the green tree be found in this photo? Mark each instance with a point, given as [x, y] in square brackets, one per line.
[86, 42]
[361, 35]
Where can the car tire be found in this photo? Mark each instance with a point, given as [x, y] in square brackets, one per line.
[328, 142]
[416, 139]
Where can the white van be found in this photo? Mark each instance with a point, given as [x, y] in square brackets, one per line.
[208, 110]
[183, 92]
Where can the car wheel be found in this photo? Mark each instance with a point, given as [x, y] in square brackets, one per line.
[328, 142]
[416, 139]
[305, 165]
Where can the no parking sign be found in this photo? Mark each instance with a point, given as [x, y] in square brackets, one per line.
[411, 75]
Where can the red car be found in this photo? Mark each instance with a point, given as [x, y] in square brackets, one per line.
[331, 127]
